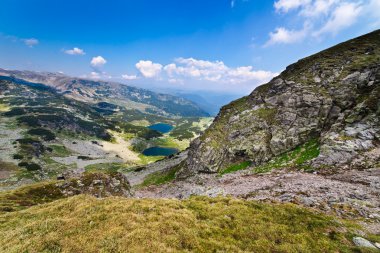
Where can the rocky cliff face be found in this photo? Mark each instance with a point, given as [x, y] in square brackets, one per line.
[321, 112]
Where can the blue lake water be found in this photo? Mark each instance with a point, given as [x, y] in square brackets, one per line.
[159, 151]
[161, 127]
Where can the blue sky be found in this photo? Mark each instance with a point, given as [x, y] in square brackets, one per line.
[199, 45]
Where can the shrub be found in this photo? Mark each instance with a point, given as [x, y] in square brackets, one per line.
[47, 135]
[30, 166]
[18, 156]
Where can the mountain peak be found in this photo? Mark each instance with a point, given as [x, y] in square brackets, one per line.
[329, 99]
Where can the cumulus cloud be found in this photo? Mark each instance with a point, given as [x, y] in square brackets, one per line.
[149, 69]
[31, 42]
[75, 51]
[96, 75]
[213, 71]
[320, 17]
[129, 77]
[197, 74]
[284, 36]
[98, 61]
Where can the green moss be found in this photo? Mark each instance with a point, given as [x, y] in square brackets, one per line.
[267, 114]
[236, 167]
[296, 158]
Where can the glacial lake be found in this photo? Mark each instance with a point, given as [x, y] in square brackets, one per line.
[161, 127]
[159, 151]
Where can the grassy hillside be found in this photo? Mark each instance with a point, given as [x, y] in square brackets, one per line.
[86, 224]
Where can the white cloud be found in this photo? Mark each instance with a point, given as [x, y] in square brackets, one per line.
[129, 77]
[75, 51]
[283, 36]
[321, 17]
[149, 69]
[317, 8]
[373, 11]
[94, 75]
[196, 74]
[343, 16]
[213, 71]
[287, 5]
[98, 61]
[31, 42]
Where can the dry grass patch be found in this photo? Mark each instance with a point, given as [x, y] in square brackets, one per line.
[199, 224]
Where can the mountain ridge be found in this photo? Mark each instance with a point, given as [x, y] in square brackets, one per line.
[330, 90]
[92, 90]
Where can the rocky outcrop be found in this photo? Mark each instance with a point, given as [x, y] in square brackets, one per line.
[331, 97]
[99, 185]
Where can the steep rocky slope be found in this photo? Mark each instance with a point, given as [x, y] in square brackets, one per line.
[320, 113]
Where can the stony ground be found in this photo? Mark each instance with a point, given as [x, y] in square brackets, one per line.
[351, 193]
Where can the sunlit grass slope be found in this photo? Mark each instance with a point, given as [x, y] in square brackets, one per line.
[199, 224]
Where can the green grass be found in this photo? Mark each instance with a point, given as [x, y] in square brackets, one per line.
[149, 159]
[236, 167]
[29, 195]
[59, 150]
[296, 158]
[199, 224]
[108, 167]
[4, 107]
[267, 114]
[160, 177]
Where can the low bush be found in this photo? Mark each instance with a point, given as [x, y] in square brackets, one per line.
[46, 135]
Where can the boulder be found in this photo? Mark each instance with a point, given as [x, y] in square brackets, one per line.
[361, 242]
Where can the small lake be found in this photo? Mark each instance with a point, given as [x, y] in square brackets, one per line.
[161, 127]
[159, 151]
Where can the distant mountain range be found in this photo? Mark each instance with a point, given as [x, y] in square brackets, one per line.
[210, 102]
[94, 91]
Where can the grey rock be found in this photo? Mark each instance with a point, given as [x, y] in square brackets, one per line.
[361, 242]
[308, 100]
